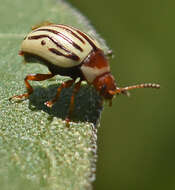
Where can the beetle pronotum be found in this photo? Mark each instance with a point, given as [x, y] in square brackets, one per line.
[67, 51]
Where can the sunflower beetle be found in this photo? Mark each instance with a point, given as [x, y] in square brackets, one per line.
[67, 51]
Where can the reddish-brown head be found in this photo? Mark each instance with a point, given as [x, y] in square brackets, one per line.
[105, 84]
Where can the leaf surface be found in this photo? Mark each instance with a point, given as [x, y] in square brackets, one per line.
[37, 150]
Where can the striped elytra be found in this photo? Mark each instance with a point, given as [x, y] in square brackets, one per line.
[61, 45]
[67, 51]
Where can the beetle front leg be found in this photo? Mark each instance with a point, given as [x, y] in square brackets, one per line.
[63, 85]
[33, 77]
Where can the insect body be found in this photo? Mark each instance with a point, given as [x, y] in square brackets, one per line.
[68, 51]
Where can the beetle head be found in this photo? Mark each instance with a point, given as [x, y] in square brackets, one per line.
[105, 84]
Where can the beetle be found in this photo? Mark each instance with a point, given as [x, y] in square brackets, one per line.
[68, 51]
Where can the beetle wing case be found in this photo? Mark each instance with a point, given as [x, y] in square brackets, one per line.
[61, 45]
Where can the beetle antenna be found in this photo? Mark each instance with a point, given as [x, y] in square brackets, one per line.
[126, 89]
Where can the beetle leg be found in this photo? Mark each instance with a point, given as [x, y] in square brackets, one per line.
[63, 85]
[72, 100]
[33, 77]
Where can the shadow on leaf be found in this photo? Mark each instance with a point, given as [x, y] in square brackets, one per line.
[87, 103]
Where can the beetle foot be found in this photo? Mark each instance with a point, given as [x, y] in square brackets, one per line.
[67, 119]
[19, 97]
[49, 104]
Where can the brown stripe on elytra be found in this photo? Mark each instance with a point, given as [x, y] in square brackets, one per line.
[88, 39]
[67, 28]
[84, 36]
[96, 59]
[52, 39]
[62, 36]
[70, 56]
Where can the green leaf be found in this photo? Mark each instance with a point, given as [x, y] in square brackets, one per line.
[37, 150]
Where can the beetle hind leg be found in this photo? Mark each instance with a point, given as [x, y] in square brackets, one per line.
[33, 77]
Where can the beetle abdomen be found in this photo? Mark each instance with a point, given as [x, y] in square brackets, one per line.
[61, 45]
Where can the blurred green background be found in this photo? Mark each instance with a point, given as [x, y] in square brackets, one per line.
[136, 140]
